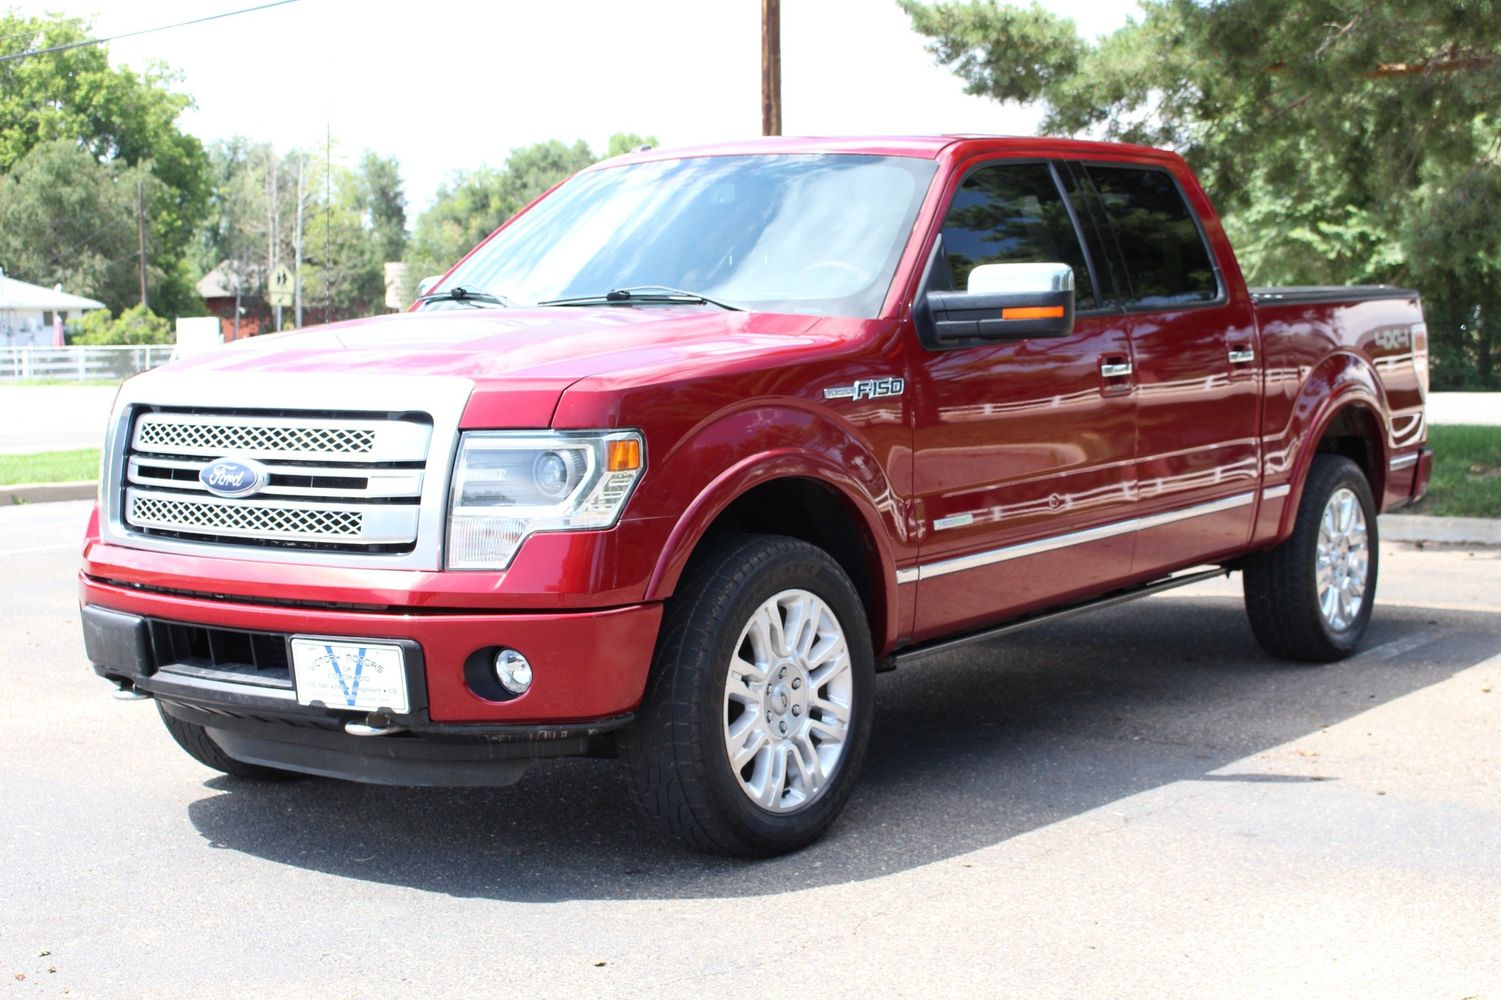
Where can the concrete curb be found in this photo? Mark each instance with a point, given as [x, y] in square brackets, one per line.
[84, 489]
[1440, 530]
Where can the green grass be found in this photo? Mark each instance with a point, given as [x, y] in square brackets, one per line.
[1466, 473]
[49, 467]
[62, 381]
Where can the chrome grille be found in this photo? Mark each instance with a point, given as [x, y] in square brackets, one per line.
[351, 482]
[303, 439]
[155, 434]
[248, 520]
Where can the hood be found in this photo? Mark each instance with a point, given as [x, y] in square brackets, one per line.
[562, 343]
[511, 354]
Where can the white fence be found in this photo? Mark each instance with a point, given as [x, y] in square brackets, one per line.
[80, 364]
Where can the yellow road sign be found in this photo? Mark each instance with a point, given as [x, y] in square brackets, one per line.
[279, 288]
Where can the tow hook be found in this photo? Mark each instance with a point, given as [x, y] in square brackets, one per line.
[126, 691]
[375, 724]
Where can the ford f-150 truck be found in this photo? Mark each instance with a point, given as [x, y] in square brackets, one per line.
[680, 458]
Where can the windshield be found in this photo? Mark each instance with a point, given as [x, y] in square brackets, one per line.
[803, 234]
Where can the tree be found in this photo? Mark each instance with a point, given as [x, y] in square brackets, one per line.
[384, 204]
[627, 142]
[1342, 139]
[235, 233]
[342, 272]
[67, 219]
[353, 222]
[120, 118]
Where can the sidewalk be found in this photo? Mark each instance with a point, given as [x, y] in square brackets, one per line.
[52, 417]
[1465, 408]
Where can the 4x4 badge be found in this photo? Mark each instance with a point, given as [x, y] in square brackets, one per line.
[867, 388]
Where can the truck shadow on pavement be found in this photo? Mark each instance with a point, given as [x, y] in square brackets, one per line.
[968, 751]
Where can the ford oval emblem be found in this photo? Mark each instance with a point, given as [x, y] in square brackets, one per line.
[234, 477]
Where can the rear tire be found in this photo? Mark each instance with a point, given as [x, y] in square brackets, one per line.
[1310, 598]
[194, 739]
[757, 716]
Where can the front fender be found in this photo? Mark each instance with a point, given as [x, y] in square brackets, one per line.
[723, 459]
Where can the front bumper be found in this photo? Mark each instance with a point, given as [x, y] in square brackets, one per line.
[587, 666]
[589, 672]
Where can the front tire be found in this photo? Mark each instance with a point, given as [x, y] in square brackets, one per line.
[758, 713]
[1310, 598]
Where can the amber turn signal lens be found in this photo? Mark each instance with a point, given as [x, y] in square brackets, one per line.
[623, 456]
[1033, 312]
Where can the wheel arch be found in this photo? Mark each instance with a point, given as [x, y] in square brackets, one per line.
[1349, 425]
[802, 496]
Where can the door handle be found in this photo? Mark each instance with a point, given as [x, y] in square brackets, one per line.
[1242, 355]
[1115, 369]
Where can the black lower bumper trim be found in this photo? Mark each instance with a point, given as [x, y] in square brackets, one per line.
[359, 765]
[407, 758]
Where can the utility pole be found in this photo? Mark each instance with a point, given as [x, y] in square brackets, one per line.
[297, 244]
[771, 67]
[141, 234]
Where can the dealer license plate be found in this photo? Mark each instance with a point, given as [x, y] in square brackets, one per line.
[364, 676]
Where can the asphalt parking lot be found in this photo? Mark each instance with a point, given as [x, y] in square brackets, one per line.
[1134, 803]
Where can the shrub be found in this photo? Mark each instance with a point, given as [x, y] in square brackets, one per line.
[136, 325]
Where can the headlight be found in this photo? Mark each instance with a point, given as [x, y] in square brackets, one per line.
[508, 486]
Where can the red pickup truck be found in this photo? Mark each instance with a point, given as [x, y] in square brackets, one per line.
[672, 465]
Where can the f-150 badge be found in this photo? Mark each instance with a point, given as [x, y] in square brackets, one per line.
[867, 388]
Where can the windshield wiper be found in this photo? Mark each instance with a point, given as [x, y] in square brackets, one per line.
[649, 294]
[477, 297]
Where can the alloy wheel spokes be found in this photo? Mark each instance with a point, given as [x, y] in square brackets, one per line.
[788, 701]
[1342, 560]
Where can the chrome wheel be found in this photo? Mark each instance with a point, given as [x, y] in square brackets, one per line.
[1343, 562]
[787, 701]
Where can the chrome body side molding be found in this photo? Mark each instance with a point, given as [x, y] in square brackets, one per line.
[990, 557]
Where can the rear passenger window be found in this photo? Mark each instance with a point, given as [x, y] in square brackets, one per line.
[1166, 259]
[1013, 213]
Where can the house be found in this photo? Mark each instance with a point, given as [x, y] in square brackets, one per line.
[218, 291]
[33, 316]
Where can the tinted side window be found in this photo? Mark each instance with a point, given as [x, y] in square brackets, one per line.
[1166, 259]
[1013, 213]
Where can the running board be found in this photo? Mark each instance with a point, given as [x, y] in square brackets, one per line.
[1058, 614]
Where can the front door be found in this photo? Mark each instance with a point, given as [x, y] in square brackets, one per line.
[1023, 458]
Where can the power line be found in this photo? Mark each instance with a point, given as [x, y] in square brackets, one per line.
[144, 31]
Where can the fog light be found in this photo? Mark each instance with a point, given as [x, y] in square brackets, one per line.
[513, 672]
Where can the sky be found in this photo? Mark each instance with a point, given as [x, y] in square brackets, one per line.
[455, 85]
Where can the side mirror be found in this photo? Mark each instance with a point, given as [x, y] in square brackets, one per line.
[1007, 302]
[426, 284]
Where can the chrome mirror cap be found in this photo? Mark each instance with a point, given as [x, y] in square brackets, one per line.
[1021, 279]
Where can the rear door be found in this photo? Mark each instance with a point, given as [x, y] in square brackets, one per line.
[1195, 367]
[1024, 449]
